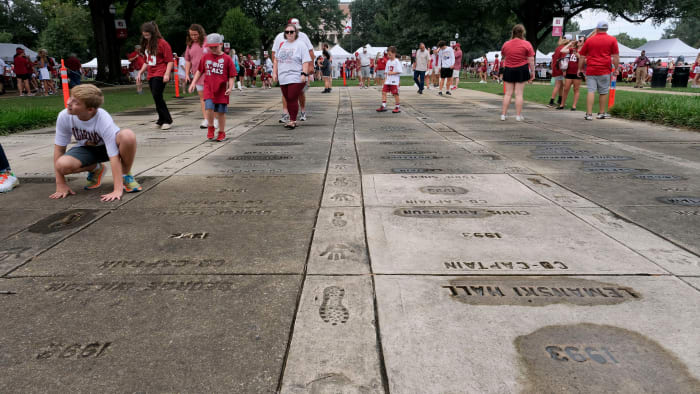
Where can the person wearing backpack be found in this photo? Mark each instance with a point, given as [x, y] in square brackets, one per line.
[569, 66]
[557, 73]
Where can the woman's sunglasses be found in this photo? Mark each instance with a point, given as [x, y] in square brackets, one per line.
[289, 32]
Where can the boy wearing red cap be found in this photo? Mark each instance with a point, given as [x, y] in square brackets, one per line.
[219, 75]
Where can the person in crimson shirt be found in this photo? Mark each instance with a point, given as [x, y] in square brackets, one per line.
[159, 63]
[458, 66]
[557, 73]
[695, 72]
[219, 73]
[74, 70]
[641, 63]
[23, 71]
[380, 65]
[495, 69]
[597, 53]
[136, 62]
[571, 78]
[518, 68]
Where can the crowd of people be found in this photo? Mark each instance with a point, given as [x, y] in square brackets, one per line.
[214, 70]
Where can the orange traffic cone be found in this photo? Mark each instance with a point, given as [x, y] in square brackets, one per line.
[64, 84]
[177, 77]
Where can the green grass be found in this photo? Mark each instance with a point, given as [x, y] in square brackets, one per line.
[671, 110]
[26, 113]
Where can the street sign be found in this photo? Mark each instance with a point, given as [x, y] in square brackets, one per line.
[120, 26]
[558, 27]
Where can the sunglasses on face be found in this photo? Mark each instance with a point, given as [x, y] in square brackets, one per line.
[289, 32]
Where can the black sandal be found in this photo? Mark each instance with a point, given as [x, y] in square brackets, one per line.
[291, 125]
[573, 108]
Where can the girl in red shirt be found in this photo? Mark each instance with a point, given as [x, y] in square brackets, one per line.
[518, 67]
[571, 77]
[159, 63]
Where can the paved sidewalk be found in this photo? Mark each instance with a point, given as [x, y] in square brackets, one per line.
[439, 250]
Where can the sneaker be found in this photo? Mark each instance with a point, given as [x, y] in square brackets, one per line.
[284, 118]
[439, 93]
[302, 117]
[604, 116]
[381, 109]
[216, 123]
[561, 107]
[210, 133]
[204, 124]
[448, 93]
[94, 177]
[8, 181]
[551, 103]
[588, 117]
[221, 136]
[503, 117]
[165, 126]
[396, 111]
[130, 184]
[155, 126]
[519, 118]
[573, 108]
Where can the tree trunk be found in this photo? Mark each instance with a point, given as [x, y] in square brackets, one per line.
[107, 45]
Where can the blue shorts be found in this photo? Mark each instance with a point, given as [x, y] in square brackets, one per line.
[209, 104]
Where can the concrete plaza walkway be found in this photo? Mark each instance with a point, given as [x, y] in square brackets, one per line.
[439, 250]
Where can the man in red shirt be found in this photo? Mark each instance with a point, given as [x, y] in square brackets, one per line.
[74, 67]
[136, 62]
[597, 54]
[642, 62]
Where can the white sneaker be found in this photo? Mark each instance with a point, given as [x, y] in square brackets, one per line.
[216, 123]
[284, 119]
[155, 126]
[166, 126]
[204, 124]
[8, 181]
[302, 117]
[503, 117]
[519, 118]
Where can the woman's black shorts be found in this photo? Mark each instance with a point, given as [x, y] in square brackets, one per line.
[572, 76]
[516, 74]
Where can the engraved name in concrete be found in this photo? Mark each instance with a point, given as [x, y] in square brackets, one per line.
[538, 291]
[684, 201]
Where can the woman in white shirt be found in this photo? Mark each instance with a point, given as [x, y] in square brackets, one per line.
[291, 68]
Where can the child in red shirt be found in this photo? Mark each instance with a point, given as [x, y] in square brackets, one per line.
[219, 76]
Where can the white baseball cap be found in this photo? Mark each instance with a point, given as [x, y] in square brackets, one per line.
[295, 22]
[214, 39]
[568, 36]
[602, 25]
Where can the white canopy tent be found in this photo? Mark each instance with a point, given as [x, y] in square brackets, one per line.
[339, 54]
[671, 47]
[542, 58]
[372, 51]
[490, 56]
[93, 63]
[8, 50]
[627, 54]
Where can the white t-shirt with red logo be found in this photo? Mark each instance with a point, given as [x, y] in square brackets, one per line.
[290, 61]
[393, 66]
[99, 130]
[216, 71]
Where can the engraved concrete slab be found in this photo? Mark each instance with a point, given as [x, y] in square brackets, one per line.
[648, 244]
[693, 281]
[495, 190]
[553, 192]
[334, 347]
[184, 241]
[38, 190]
[342, 191]
[43, 233]
[685, 150]
[238, 191]
[16, 220]
[535, 334]
[649, 188]
[676, 223]
[339, 244]
[145, 334]
[495, 240]
[273, 162]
